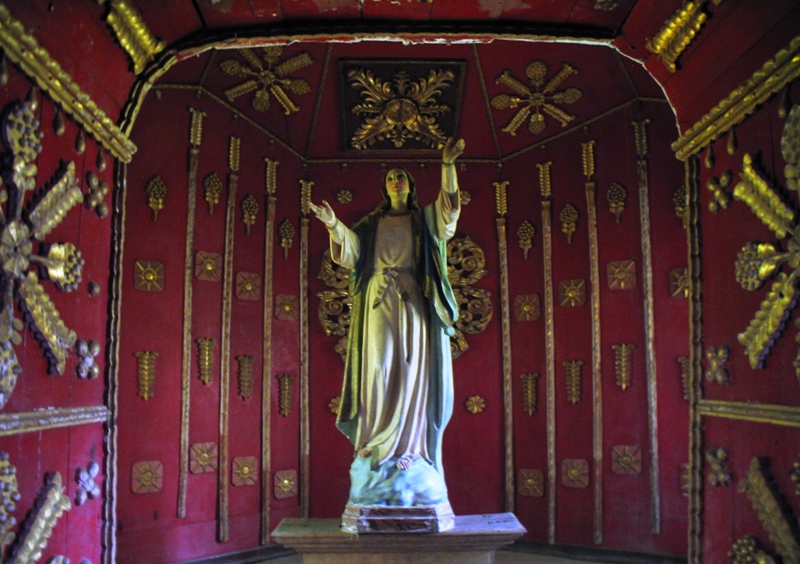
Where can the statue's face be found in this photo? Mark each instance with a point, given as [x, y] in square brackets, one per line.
[397, 185]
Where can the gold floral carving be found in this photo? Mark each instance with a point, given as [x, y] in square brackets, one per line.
[465, 262]
[501, 197]
[621, 275]
[248, 286]
[772, 77]
[249, 207]
[286, 233]
[212, 189]
[146, 373]
[622, 364]
[720, 197]
[525, 233]
[133, 34]
[748, 549]
[285, 484]
[527, 307]
[268, 76]
[156, 192]
[94, 197]
[465, 196]
[718, 473]
[626, 460]
[679, 282]
[530, 482]
[208, 266]
[678, 31]
[530, 393]
[285, 383]
[244, 471]
[679, 200]
[475, 404]
[147, 476]
[203, 458]
[617, 196]
[573, 370]
[148, 275]
[772, 510]
[575, 473]
[475, 309]
[245, 374]
[344, 197]
[569, 221]
[9, 496]
[335, 405]
[401, 109]
[286, 307]
[38, 527]
[572, 293]
[717, 358]
[535, 102]
[205, 358]
[545, 181]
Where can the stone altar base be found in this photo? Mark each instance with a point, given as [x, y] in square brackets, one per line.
[472, 540]
[390, 519]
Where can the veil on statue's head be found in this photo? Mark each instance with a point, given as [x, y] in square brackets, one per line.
[412, 191]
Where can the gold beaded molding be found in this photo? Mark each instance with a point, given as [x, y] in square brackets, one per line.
[22, 49]
[776, 74]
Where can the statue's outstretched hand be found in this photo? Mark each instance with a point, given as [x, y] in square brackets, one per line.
[324, 213]
[452, 149]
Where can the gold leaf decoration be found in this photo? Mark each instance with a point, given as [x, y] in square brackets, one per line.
[794, 475]
[156, 192]
[133, 34]
[344, 196]
[284, 484]
[720, 197]
[148, 275]
[573, 378]
[285, 382]
[208, 266]
[525, 233]
[249, 212]
[530, 394]
[679, 200]
[621, 275]
[9, 496]
[677, 32]
[38, 527]
[286, 307]
[147, 476]
[575, 473]
[749, 550]
[248, 286]
[245, 363]
[718, 473]
[569, 221]
[683, 362]
[212, 189]
[530, 482]
[527, 307]
[466, 262]
[545, 183]
[769, 321]
[146, 373]
[335, 405]
[765, 203]
[286, 233]
[203, 458]
[626, 460]
[474, 309]
[587, 159]
[572, 293]
[717, 359]
[94, 198]
[617, 196]
[501, 197]
[205, 358]
[679, 282]
[475, 404]
[622, 364]
[244, 471]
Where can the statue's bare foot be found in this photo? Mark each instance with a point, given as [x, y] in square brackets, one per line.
[365, 452]
[404, 462]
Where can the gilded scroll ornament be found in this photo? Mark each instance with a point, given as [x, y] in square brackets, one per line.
[569, 221]
[530, 482]
[344, 197]
[626, 460]
[545, 181]
[622, 363]
[466, 262]
[749, 550]
[285, 484]
[679, 282]
[617, 196]
[248, 286]
[244, 471]
[87, 365]
[212, 189]
[621, 275]
[525, 233]
[572, 293]
[147, 476]
[208, 266]
[717, 358]
[245, 374]
[285, 383]
[203, 458]
[268, 76]
[286, 233]
[475, 309]
[790, 148]
[501, 197]
[678, 31]
[37, 529]
[148, 275]
[772, 510]
[9, 496]
[146, 373]
[720, 197]
[573, 369]
[286, 307]
[527, 307]
[87, 487]
[530, 392]
[335, 405]
[94, 198]
[249, 207]
[535, 102]
[205, 359]
[575, 473]
[133, 34]
[401, 109]
[156, 192]
[718, 473]
[475, 404]
[794, 476]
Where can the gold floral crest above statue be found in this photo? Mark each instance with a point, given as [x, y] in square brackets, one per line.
[400, 105]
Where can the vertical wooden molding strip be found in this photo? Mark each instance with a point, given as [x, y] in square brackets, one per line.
[266, 369]
[696, 443]
[195, 133]
[597, 366]
[305, 435]
[550, 359]
[508, 415]
[225, 345]
[640, 134]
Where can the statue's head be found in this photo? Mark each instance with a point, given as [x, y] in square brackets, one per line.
[411, 202]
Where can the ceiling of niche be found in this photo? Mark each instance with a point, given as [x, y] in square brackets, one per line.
[314, 131]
